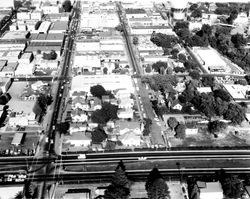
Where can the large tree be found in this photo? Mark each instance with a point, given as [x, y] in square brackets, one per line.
[235, 113]
[67, 6]
[119, 188]
[221, 93]
[110, 110]
[216, 126]
[97, 91]
[238, 40]
[160, 67]
[156, 186]
[172, 122]
[98, 135]
[180, 131]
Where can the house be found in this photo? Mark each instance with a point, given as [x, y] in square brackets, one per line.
[204, 89]
[122, 127]
[125, 113]
[80, 103]
[79, 139]
[74, 127]
[191, 131]
[211, 190]
[130, 139]
[176, 105]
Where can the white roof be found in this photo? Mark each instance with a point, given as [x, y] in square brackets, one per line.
[178, 4]
[204, 89]
[212, 190]
[9, 192]
[237, 91]
[210, 57]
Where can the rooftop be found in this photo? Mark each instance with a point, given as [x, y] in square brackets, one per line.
[135, 11]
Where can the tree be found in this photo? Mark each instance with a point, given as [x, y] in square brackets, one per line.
[172, 122]
[179, 69]
[190, 64]
[221, 93]
[198, 41]
[98, 135]
[180, 131]
[208, 81]
[110, 110]
[97, 91]
[174, 53]
[195, 74]
[182, 58]
[216, 126]
[232, 186]
[50, 56]
[119, 187]
[119, 28]
[99, 117]
[220, 106]
[235, 113]
[67, 6]
[155, 186]
[105, 70]
[148, 69]
[159, 67]
[135, 40]
[147, 122]
[206, 29]
[238, 40]
[196, 13]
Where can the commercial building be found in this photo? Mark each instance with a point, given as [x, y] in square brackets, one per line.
[11, 56]
[59, 27]
[237, 91]
[9, 69]
[148, 30]
[44, 27]
[109, 82]
[135, 13]
[26, 58]
[5, 83]
[16, 35]
[53, 17]
[212, 63]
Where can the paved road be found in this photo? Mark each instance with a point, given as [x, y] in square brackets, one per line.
[156, 137]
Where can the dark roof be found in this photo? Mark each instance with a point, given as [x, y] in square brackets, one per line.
[135, 11]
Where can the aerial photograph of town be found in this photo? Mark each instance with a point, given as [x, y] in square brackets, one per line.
[124, 99]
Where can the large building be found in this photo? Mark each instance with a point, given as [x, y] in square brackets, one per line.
[178, 9]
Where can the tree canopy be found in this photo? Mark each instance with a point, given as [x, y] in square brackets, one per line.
[119, 187]
[172, 122]
[180, 131]
[97, 91]
[98, 135]
[156, 186]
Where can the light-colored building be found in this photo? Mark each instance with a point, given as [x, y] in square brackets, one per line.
[44, 27]
[212, 63]
[212, 190]
[49, 9]
[238, 91]
[130, 139]
[26, 58]
[5, 83]
[109, 82]
[135, 13]
[79, 139]
[148, 30]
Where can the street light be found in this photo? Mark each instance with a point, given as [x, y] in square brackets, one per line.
[178, 167]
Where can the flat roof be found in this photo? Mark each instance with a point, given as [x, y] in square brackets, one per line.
[59, 25]
[135, 11]
[209, 56]
[12, 35]
[151, 27]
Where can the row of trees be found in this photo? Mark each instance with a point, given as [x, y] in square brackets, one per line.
[216, 103]
[119, 188]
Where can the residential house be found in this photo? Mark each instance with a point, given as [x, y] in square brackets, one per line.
[79, 139]
[130, 139]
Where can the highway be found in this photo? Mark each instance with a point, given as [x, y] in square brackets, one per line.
[101, 159]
